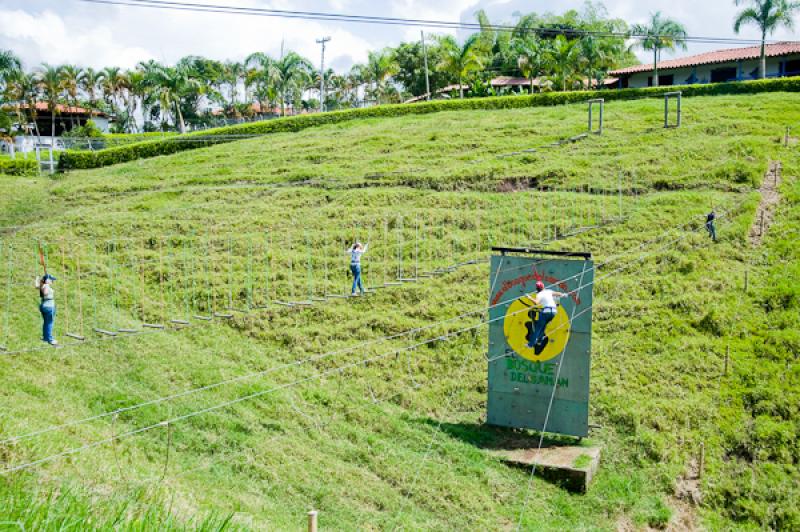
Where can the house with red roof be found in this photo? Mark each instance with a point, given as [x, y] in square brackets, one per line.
[734, 64]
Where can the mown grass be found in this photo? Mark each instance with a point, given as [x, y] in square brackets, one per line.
[398, 442]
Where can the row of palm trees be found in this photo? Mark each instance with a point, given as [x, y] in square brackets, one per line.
[563, 52]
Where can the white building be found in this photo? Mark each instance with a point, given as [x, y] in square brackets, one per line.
[735, 64]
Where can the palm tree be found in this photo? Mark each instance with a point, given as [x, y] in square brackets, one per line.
[113, 82]
[461, 60]
[261, 76]
[562, 60]
[234, 72]
[9, 65]
[659, 34]
[768, 15]
[89, 81]
[70, 76]
[597, 55]
[51, 86]
[381, 65]
[530, 54]
[289, 74]
[23, 87]
[171, 86]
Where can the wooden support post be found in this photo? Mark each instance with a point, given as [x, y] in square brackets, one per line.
[745, 281]
[702, 460]
[312, 521]
[786, 137]
[727, 359]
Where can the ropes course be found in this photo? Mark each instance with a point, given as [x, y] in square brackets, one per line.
[332, 371]
[187, 290]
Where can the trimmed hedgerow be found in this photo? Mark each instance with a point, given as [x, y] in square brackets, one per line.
[72, 160]
[18, 167]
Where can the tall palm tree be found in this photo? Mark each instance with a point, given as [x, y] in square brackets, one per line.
[234, 73]
[113, 82]
[51, 87]
[89, 81]
[70, 76]
[562, 60]
[261, 76]
[23, 87]
[460, 60]
[171, 85]
[381, 65]
[530, 53]
[659, 34]
[9, 65]
[290, 74]
[768, 15]
[597, 55]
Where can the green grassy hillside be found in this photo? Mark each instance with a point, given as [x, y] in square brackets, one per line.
[319, 408]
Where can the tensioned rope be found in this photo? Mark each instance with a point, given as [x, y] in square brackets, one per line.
[263, 392]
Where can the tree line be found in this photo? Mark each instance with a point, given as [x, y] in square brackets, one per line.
[570, 51]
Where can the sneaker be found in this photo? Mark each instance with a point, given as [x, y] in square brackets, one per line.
[353, 294]
[53, 342]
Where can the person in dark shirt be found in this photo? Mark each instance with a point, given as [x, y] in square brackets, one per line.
[710, 217]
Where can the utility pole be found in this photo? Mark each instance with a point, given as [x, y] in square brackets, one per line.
[427, 79]
[322, 74]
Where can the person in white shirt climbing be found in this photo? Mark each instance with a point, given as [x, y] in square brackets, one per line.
[47, 306]
[547, 301]
[355, 253]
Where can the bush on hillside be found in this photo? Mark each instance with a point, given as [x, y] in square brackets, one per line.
[72, 160]
[18, 167]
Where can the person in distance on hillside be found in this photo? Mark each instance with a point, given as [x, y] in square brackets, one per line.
[47, 306]
[548, 301]
[355, 253]
[712, 231]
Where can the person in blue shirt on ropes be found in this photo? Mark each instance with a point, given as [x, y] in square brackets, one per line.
[355, 253]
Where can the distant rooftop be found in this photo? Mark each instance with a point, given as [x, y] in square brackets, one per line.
[719, 56]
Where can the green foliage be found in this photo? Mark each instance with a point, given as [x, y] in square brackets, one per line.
[88, 130]
[18, 166]
[72, 160]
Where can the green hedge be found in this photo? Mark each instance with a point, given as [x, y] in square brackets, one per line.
[18, 166]
[71, 160]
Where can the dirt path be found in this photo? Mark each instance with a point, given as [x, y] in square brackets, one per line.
[769, 199]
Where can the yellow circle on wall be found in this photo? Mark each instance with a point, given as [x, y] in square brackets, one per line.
[519, 324]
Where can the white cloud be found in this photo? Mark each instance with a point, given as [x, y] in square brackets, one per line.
[61, 31]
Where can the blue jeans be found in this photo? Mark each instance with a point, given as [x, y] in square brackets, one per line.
[355, 269]
[545, 317]
[711, 230]
[48, 310]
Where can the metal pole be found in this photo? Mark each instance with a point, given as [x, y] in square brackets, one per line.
[666, 111]
[589, 130]
[427, 78]
[619, 193]
[679, 109]
[602, 105]
[312, 521]
[322, 41]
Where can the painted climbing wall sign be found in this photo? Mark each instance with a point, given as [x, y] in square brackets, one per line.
[523, 366]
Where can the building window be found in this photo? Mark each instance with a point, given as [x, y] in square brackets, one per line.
[666, 81]
[719, 75]
[792, 67]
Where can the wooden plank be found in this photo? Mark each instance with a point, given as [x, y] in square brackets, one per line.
[179, 322]
[224, 316]
[129, 331]
[152, 325]
[75, 336]
[204, 318]
[103, 331]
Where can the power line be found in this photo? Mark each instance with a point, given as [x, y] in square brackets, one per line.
[396, 21]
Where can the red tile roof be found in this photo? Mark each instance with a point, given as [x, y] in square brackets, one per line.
[63, 109]
[719, 56]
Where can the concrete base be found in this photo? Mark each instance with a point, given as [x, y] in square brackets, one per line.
[571, 467]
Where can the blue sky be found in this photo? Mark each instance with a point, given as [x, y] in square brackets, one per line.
[61, 31]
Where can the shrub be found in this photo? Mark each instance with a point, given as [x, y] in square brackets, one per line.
[18, 166]
[72, 160]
